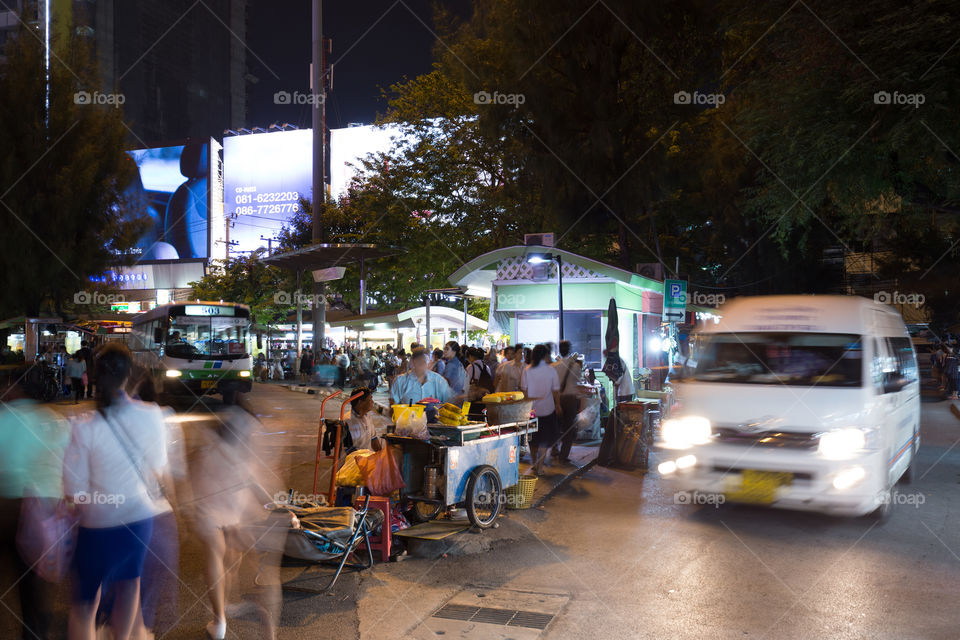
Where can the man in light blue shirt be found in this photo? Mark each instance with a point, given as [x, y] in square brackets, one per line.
[419, 383]
[453, 371]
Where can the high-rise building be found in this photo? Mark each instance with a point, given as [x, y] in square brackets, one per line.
[181, 65]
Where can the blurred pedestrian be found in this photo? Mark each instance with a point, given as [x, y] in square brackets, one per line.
[508, 373]
[453, 371]
[86, 352]
[227, 495]
[541, 384]
[112, 470]
[31, 464]
[75, 368]
[570, 371]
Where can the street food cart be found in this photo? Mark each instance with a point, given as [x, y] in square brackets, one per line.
[468, 465]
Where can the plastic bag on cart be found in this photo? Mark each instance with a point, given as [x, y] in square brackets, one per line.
[413, 426]
[587, 422]
[381, 472]
[350, 475]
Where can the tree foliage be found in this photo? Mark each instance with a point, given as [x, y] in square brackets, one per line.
[62, 175]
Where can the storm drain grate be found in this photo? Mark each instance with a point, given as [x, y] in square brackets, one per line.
[531, 620]
[456, 612]
[504, 617]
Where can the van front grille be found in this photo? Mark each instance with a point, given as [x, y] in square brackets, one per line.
[775, 439]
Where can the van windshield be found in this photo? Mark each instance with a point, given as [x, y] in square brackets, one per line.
[803, 359]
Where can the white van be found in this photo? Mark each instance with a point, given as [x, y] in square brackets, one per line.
[801, 402]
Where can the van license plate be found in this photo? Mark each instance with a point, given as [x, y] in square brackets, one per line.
[208, 384]
[756, 487]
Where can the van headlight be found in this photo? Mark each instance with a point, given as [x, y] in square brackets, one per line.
[681, 433]
[173, 373]
[842, 443]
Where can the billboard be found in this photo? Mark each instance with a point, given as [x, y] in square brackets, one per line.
[172, 184]
[264, 177]
[349, 146]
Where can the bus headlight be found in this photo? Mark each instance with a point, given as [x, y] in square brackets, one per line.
[173, 373]
[681, 433]
[244, 374]
[842, 443]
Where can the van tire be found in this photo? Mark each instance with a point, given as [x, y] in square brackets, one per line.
[882, 513]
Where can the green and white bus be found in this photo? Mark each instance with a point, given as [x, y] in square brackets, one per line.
[195, 348]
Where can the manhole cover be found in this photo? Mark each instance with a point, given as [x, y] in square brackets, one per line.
[494, 614]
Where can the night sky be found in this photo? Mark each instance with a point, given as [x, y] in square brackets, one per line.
[279, 40]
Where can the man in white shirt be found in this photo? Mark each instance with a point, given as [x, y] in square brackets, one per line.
[569, 370]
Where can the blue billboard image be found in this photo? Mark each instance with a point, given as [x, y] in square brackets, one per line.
[264, 177]
[172, 186]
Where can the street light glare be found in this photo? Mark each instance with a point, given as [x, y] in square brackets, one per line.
[539, 258]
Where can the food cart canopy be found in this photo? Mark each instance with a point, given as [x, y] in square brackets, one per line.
[325, 256]
[440, 318]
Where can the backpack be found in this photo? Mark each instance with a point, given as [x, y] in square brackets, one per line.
[486, 380]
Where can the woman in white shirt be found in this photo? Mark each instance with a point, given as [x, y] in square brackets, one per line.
[541, 384]
[111, 472]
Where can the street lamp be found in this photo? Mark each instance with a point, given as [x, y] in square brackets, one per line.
[544, 258]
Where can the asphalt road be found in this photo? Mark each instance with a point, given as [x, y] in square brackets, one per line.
[612, 555]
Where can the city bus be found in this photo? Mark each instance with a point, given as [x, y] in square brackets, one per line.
[195, 348]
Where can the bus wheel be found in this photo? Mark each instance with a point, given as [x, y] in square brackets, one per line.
[229, 397]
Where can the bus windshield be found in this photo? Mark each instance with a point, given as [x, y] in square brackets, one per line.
[808, 359]
[207, 338]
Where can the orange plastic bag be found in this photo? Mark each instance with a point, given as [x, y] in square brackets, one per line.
[381, 472]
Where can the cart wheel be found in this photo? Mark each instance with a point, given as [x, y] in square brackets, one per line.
[484, 496]
[423, 511]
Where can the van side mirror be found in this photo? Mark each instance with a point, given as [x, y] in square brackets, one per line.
[259, 341]
[893, 383]
[158, 335]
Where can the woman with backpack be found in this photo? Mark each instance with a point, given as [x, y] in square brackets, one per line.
[479, 376]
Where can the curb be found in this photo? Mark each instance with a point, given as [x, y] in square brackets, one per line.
[564, 481]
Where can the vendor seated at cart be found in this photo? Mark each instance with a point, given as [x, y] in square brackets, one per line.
[362, 429]
[420, 383]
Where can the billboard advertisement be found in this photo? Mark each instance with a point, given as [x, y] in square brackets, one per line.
[351, 145]
[264, 177]
[173, 185]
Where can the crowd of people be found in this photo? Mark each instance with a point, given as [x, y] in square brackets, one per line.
[945, 366]
[119, 474]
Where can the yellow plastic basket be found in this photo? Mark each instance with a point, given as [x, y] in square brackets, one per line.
[520, 495]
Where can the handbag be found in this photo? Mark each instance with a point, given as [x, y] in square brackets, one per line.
[46, 536]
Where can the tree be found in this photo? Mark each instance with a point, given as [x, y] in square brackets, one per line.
[62, 174]
[849, 109]
[245, 279]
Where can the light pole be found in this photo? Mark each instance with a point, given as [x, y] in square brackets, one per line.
[543, 258]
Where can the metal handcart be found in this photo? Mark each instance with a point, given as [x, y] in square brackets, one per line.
[467, 465]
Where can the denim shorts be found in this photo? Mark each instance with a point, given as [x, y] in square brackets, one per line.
[109, 554]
